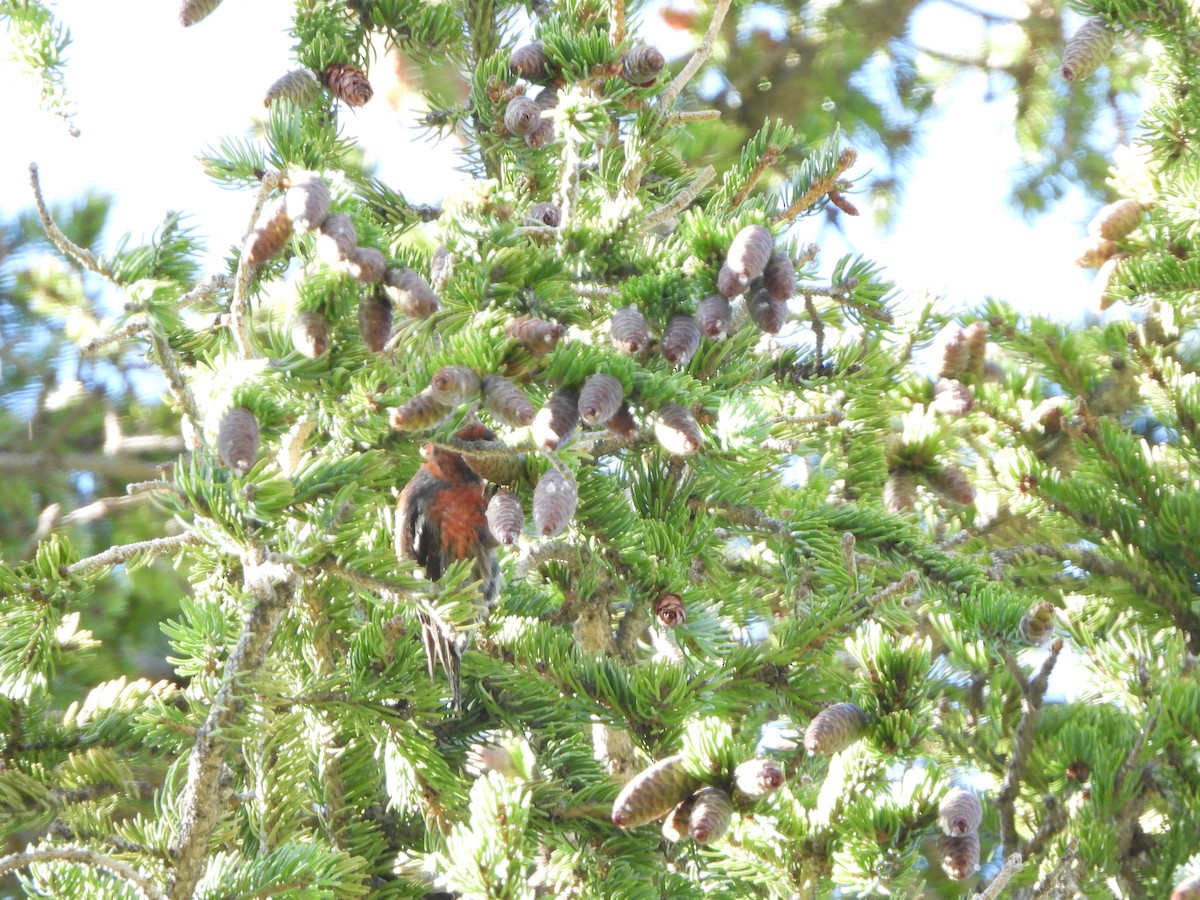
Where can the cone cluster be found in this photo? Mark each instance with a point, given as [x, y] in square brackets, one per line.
[767, 279]
[959, 814]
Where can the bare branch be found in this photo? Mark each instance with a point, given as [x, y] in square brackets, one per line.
[680, 201]
[668, 97]
[765, 162]
[81, 255]
[83, 856]
[124, 552]
[1012, 865]
[120, 467]
[687, 116]
[129, 329]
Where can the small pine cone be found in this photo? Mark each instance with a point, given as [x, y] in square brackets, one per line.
[1188, 889]
[728, 283]
[834, 729]
[237, 440]
[900, 492]
[544, 213]
[641, 65]
[975, 335]
[506, 401]
[960, 855]
[675, 826]
[300, 86]
[366, 264]
[1038, 623]
[529, 62]
[951, 397]
[310, 333]
[1116, 220]
[554, 499]
[537, 336]
[421, 412]
[711, 815]
[521, 115]
[960, 812]
[349, 84]
[505, 517]
[653, 792]
[838, 199]
[375, 321]
[758, 777]
[952, 484]
[547, 99]
[668, 609]
[441, 266]
[452, 385]
[556, 421]
[680, 339]
[540, 134]
[1102, 289]
[1094, 252]
[601, 397]
[769, 314]
[192, 11]
[779, 276]
[629, 333]
[956, 354]
[496, 469]
[410, 293]
[307, 202]
[1087, 49]
[269, 235]
[749, 252]
[677, 430]
[713, 315]
[337, 238]
[623, 424]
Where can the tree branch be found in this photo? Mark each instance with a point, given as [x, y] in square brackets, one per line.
[118, 467]
[668, 97]
[239, 306]
[1012, 865]
[81, 255]
[83, 856]
[818, 188]
[124, 552]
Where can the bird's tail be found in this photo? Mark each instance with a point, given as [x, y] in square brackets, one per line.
[444, 644]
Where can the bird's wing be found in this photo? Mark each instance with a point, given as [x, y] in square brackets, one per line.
[417, 534]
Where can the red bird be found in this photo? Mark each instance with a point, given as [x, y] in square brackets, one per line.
[440, 519]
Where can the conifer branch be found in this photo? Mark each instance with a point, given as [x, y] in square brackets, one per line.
[1012, 866]
[130, 329]
[272, 584]
[84, 856]
[1059, 875]
[82, 257]
[668, 97]
[239, 306]
[175, 378]
[680, 201]
[817, 189]
[770, 155]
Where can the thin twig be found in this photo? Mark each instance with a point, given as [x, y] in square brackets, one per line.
[535, 554]
[175, 379]
[668, 97]
[680, 201]
[371, 583]
[81, 255]
[109, 466]
[745, 515]
[616, 28]
[1060, 872]
[123, 552]
[239, 306]
[906, 582]
[130, 329]
[765, 162]
[83, 856]
[818, 188]
[1012, 865]
[99, 509]
[687, 116]
[818, 329]
[833, 417]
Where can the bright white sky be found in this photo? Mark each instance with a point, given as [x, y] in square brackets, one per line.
[151, 95]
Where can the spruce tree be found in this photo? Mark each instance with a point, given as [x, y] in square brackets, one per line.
[780, 605]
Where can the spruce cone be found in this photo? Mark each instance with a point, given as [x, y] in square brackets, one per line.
[554, 501]
[951, 397]
[366, 264]
[1188, 889]
[537, 336]
[1037, 625]
[337, 238]
[677, 430]
[540, 134]
[496, 469]
[505, 517]
[975, 335]
[547, 99]
[1116, 220]
[728, 284]
[421, 412]
[506, 401]
[842, 202]
[1094, 252]
[410, 293]
[600, 398]
[668, 609]
[960, 812]
[960, 855]
[711, 814]
[769, 314]
[623, 424]
[441, 266]
[300, 86]
[750, 251]
[544, 213]
[348, 83]
[834, 729]
[952, 484]
[713, 316]
[653, 792]
[521, 115]
[900, 492]
[556, 421]
[529, 62]
[1087, 49]
[269, 234]
[641, 65]
[758, 777]
[452, 385]
[680, 339]
[629, 334]
[675, 827]
[237, 440]
[956, 354]
[192, 11]
[310, 333]
[779, 277]
[375, 321]
[307, 202]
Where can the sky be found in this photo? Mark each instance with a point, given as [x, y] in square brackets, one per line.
[151, 95]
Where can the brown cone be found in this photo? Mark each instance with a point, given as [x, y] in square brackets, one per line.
[505, 517]
[677, 430]
[951, 397]
[375, 321]
[192, 11]
[366, 264]
[307, 202]
[300, 86]
[834, 729]
[529, 62]
[623, 424]
[556, 421]
[749, 252]
[952, 484]
[959, 855]
[711, 814]
[506, 401]
[310, 333]
[629, 333]
[349, 84]
[410, 294]
[237, 440]
[713, 316]
[960, 812]
[1037, 625]
[680, 339]
[521, 115]
[653, 792]
[421, 412]
[641, 65]
[758, 777]
[537, 336]
[269, 235]
[900, 492]
[728, 283]
[554, 501]
[668, 609]
[452, 385]
[336, 238]
[779, 277]
[675, 826]
[600, 398]
[769, 314]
